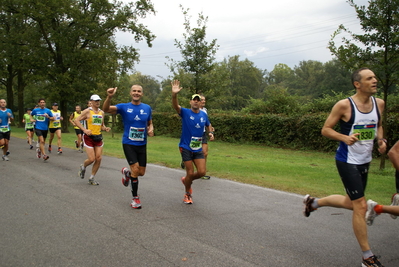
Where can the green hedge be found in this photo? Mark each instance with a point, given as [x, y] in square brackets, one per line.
[297, 131]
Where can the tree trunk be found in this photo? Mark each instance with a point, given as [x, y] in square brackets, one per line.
[20, 97]
[64, 113]
[384, 125]
[9, 82]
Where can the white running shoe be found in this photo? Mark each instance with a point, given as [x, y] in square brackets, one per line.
[371, 213]
[395, 202]
[136, 203]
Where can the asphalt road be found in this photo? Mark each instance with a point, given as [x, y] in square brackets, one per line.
[51, 217]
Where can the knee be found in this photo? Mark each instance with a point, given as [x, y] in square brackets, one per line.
[201, 173]
[360, 207]
[99, 158]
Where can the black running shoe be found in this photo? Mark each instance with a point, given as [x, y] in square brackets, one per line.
[371, 262]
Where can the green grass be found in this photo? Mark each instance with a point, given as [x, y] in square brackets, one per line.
[288, 170]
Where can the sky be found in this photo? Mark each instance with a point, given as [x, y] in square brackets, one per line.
[264, 32]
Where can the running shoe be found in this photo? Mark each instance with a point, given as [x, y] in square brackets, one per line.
[38, 153]
[371, 213]
[187, 199]
[206, 177]
[93, 182]
[76, 144]
[49, 149]
[307, 201]
[45, 157]
[82, 171]
[182, 180]
[30, 147]
[59, 151]
[395, 202]
[125, 176]
[5, 158]
[136, 203]
[372, 262]
[182, 165]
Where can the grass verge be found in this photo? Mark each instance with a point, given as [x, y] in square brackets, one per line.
[301, 172]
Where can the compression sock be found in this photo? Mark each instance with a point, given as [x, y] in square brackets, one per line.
[135, 185]
[378, 209]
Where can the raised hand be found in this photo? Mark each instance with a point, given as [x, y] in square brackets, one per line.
[176, 86]
[111, 91]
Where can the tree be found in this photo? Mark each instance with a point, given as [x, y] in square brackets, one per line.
[377, 48]
[198, 55]
[281, 75]
[309, 76]
[77, 50]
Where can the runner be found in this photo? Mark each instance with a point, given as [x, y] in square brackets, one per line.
[360, 123]
[55, 128]
[41, 117]
[205, 136]
[28, 127]
[5, 117]
[92, 137]
[193, 123]
[78, 131]
[137, 124]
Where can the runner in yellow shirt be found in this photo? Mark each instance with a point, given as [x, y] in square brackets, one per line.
[92, 137]
[55, 128]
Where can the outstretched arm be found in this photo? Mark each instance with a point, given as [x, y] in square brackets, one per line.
[175, 90]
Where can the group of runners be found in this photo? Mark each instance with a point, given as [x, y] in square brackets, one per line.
[359, 117]
[137, 121]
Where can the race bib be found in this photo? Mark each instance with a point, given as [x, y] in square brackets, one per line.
[56, 124]
[366, 132]
[195, 143]
[40, 118]
[136, 134]
[4, 129]
[97, 119]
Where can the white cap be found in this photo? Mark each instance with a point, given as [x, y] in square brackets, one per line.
[95, 97]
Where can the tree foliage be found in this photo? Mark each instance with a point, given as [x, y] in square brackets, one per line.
[73, 42]
[198, 54]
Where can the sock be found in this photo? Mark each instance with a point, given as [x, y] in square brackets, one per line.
[315, 203]
[91, 177]
[367, 254]
[397, 181]
[378, 209]
[135, 185]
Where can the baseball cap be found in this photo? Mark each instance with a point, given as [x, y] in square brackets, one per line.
[55, 104]
[195, 95]
[95, 97]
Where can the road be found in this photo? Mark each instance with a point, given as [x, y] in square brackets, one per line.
[50, 217]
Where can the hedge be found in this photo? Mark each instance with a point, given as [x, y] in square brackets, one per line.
[296, 132]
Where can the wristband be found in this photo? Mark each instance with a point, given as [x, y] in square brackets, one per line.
[384, 140]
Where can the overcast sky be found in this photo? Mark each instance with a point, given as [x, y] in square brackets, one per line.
[265, 32]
